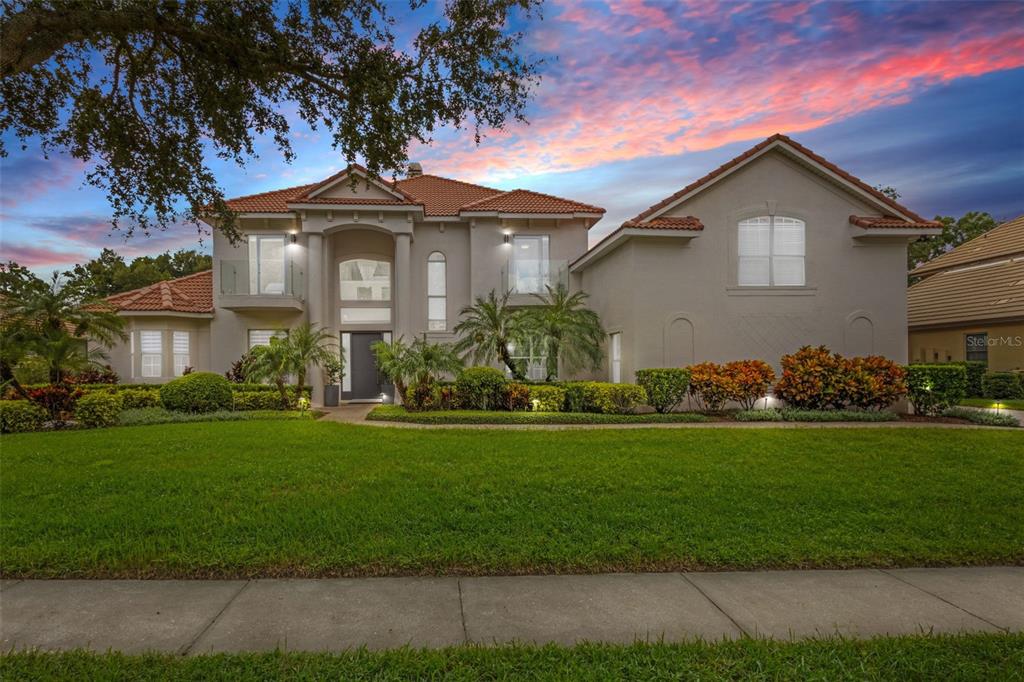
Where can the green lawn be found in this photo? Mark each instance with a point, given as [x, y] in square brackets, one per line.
[397, 413]
[1004, 403]
[303, 498]
[974, 657]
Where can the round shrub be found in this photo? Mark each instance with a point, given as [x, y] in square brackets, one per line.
[812, 379]
[934, 388]
[197, 392]
[873, 382]
[480, 388]
[1001, 385]
[749, 381]
[547, 398]
[666, 387]
[710, 386]
[17, 416]
[608, 398]
[94, 410]
[422, 396]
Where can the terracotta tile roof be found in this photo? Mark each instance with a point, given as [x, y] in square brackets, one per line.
[393, 186]
[526, 201]
[1004, 240]
[443, 196]
[992, 291]
[779, 137]
[274, 201]
[889, 222]
[667, 223]
[188, 294]
[438, 196]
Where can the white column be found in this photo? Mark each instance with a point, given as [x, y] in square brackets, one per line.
[315, 284]
[403, 286]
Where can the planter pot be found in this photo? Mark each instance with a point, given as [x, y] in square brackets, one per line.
[331, 395]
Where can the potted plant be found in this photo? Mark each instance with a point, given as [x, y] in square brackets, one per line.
[334, 370]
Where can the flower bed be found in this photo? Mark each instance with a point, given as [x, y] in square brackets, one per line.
[396, 413]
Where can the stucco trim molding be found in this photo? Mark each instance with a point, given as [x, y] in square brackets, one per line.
[666, 327]
[771, 291]
[848, 328]
[620, 236]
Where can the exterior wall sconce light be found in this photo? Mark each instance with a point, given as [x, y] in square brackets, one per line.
[508, 238]
[293, 238]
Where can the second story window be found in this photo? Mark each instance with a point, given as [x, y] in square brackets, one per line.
[437, 292]
[530, 266]
[365, 279]
[267, 266]
[771, 252]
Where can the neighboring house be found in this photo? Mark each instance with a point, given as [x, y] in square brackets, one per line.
[774, 250]
[368, 259]
[969, 304]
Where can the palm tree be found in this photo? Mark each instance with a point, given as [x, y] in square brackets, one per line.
[394, 362]
[487, 328]
[569, 331]
[428, 361]
[308, 345]
[56, 323]
[272, 362]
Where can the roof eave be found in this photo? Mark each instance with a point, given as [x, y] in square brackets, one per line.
[621, 236]
[534, 216]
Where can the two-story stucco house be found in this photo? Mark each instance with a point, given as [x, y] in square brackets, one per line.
[774, 250]
[370, 260]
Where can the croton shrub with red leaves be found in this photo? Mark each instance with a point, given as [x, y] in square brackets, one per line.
[710, 386]
[748, 381]
[58, 401]
[815, 378]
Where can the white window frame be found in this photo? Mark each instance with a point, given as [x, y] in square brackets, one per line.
[536, 364]
[615, 357]
[437, 323]
[181, 343]
[772, 256]
[386, 291]
[152, 361]
[256, 263]
[267, 333]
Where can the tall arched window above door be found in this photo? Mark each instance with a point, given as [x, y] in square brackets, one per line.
[437, 292]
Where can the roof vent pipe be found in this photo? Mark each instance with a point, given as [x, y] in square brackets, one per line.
[415, 170]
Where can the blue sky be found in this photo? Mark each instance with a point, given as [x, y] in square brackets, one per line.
[639, 98]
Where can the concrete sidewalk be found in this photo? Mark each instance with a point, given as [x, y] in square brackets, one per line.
[203, 616]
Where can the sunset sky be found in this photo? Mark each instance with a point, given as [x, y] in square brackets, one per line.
[639, 98]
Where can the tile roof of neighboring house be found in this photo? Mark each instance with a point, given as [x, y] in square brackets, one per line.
[988, 292]
[188, 294]
[438, 196]
[889, 222]
[526, 201]
[444, 196]
[668, 223]
[1005, 240]
[778, 137]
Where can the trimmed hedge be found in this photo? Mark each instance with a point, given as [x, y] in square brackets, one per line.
[94, 410]
[516, 397]
[665, 387]
[480, 388]
[136, 398]
[547, 398]
[197, 392]
[17, 416]
[158, 415]
[975, 374]
[260, 400]
[396, 413]
[933, 388]
[1000, 385]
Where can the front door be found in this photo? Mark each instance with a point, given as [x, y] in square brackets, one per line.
[367, 383]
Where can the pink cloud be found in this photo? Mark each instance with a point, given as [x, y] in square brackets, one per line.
[667, 100]
[41, 257]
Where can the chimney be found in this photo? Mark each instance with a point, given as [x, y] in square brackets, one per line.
[415, 170]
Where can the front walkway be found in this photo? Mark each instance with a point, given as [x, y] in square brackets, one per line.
[202, 616]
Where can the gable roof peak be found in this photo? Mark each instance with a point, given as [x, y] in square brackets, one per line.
[793, 146]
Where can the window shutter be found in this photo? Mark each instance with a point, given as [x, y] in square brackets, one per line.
[151, 342]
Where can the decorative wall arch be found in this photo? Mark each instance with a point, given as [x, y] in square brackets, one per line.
[678, 346]
[859, 334]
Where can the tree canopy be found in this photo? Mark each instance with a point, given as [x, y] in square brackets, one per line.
[144, 91]
[955, 231]
[110, 274]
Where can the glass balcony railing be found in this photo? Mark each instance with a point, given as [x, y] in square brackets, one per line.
[240, 278]
[534, 277]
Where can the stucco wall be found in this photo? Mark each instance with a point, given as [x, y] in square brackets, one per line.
[1005, 348]
[129, 367]
[854, 300]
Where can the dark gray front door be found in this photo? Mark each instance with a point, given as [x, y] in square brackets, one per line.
[366, 381]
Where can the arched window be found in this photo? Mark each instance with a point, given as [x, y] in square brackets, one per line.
[437, 292]
[771, 252]
[365, 279]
